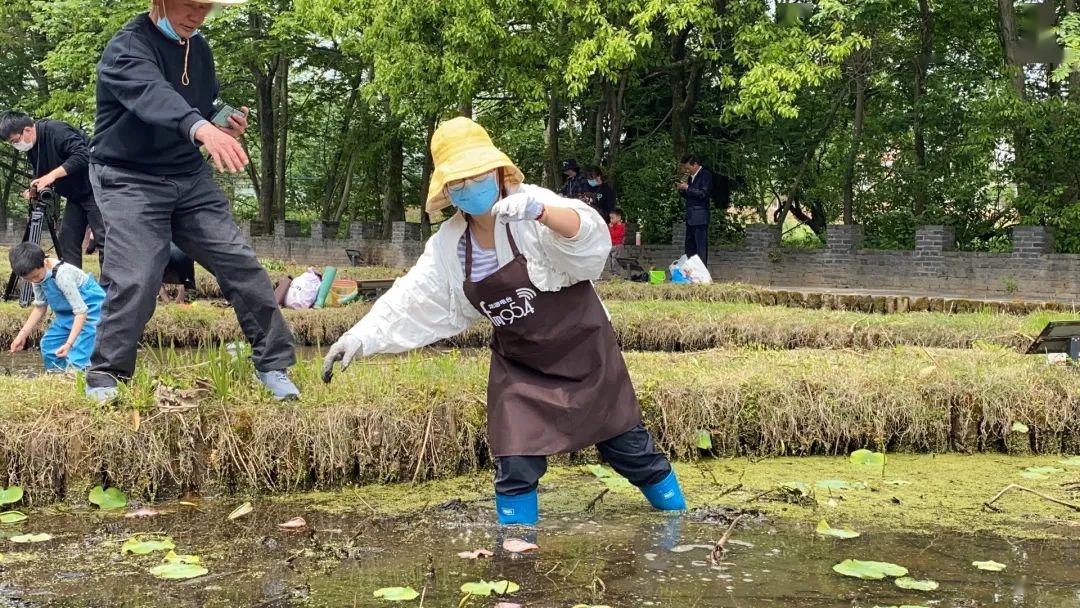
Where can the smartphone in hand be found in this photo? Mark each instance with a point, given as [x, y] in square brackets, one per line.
[222, 113]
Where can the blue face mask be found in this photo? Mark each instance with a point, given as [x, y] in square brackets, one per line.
[476, 197]
[167, 29]
[594, 182]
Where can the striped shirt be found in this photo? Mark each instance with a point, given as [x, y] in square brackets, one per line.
[484, 261]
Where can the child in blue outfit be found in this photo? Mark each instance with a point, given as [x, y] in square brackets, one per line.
[75, 298]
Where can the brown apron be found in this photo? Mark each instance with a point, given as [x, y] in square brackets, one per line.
[558, 382]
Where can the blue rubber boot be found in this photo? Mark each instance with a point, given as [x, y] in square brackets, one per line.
[665, 495]
[517, 510]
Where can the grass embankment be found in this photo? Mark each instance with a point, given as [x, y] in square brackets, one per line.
[736, 292]
[415, 417]
[657, 325]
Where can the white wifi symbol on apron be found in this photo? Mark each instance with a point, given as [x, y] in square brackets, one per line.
[526, 294]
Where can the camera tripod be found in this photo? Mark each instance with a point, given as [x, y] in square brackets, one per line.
[40, 201]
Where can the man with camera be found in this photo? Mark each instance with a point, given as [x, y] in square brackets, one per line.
[59, 156]
[696, 189]
[156, 94]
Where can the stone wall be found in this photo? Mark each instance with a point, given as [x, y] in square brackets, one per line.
[400, 251]
[1031, 271]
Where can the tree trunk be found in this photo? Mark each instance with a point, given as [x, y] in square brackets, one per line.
[616, 121]
[685, 82]
[811, 152]
[922, 66]
[861, 66]
[466, 108]
[343, 146]
[346, 190]
[425, 176]
[551, 144]
[393, 207]
[281, 121]
[603, 108]
[1007, 35]
[265, 111]
[1009, 45]
[9, 181]
[264, 106]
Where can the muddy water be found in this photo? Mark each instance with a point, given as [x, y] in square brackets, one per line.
[625, 560]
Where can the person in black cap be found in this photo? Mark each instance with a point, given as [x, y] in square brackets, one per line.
[575, 185]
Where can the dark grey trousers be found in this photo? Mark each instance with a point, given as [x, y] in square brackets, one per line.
[77, 216]
[143, 214]
[697, 242]
[632, 454]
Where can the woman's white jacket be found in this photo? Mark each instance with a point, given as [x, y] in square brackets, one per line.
[428, 304]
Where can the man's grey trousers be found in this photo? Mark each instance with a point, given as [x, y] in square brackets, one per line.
[143, 213]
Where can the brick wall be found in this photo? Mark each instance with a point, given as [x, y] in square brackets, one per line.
[1030, 271]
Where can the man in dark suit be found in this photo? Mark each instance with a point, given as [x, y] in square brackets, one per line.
[696, 190]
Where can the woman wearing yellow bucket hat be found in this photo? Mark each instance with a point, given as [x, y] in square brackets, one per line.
[524, 258]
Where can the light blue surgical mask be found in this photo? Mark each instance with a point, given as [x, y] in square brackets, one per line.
[166, 27]
[594, 182]
[475, 196]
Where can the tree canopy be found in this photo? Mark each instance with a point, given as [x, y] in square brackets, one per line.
[886, 113]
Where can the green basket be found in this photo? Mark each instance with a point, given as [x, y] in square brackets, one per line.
[657, 277]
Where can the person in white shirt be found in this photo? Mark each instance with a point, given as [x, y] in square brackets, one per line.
[524, 258]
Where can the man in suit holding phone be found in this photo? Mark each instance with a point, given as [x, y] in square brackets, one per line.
[696, 190]
[156, 95]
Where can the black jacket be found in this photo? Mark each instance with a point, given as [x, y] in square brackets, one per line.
[697, 197]
[605, 200]
[144, 112]
[575, 186]
[59, 143]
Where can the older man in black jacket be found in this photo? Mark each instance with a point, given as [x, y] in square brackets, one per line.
[155, 98]
[58, 154]
[696, 190]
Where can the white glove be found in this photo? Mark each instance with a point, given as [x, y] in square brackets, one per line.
[344, 350]
[518, 207]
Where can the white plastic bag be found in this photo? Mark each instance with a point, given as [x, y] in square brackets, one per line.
[304, 290]
[695, 270]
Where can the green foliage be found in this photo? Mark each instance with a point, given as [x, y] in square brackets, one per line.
[917, 585]
[107, 498]
[10, 495]
[396, 594]
[867, 458]
[144, 544]
[12, 517]
[31, 538]
[486, 588]
[769, 105]
[824, 529]
[869, 570]
[179, 567]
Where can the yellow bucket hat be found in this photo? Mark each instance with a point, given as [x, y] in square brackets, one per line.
[460, 148]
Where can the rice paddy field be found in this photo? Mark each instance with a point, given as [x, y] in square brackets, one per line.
[769, 402]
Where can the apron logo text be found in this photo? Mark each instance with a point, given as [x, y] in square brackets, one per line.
[509, 309]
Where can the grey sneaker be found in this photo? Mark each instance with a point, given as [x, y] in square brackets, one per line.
[278, 383]
[103, 394]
